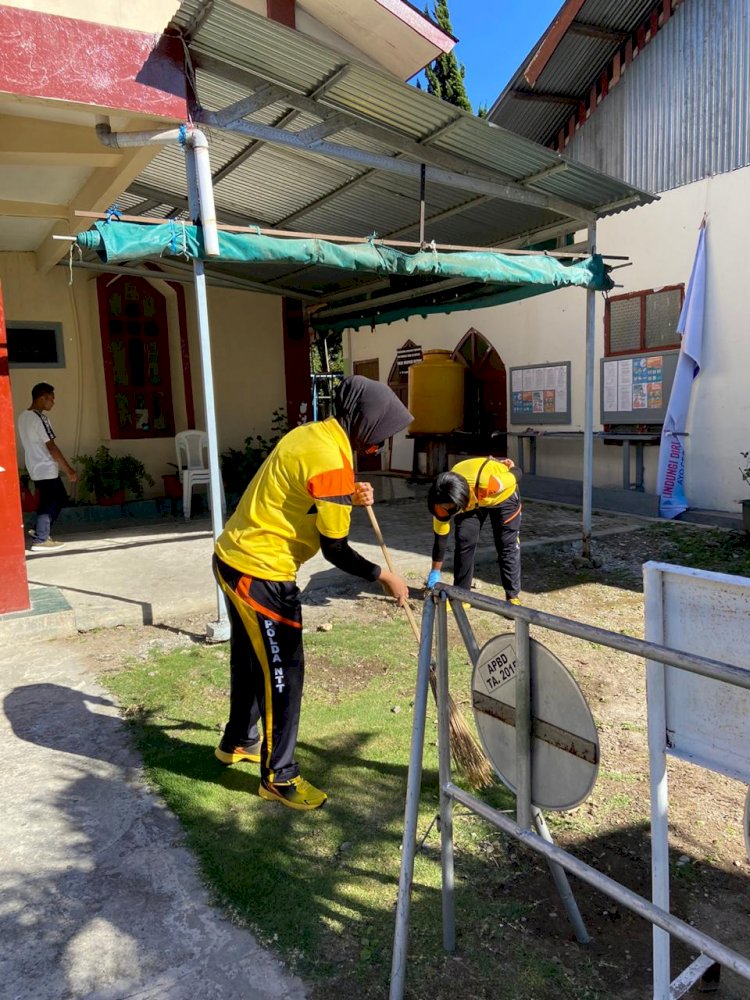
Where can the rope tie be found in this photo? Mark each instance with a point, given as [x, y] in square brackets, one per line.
[178, 246]
[114, 213]
[73, 248]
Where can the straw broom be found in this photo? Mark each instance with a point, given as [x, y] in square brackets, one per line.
[467, 756]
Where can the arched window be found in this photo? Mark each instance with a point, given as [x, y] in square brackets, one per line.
[398, 377]
[485, 392]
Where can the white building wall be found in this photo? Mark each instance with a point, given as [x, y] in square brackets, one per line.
[660, 240]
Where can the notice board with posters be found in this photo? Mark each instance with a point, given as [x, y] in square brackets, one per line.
[635, 388]
[540, 394]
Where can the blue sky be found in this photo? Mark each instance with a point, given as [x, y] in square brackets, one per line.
[494, 36]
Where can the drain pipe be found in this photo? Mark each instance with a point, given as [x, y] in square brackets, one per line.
[191, 138]
[203, 209]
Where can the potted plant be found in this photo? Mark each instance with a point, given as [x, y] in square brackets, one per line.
[108, 477]
[745, 473]
[29, 499]
[172, 484]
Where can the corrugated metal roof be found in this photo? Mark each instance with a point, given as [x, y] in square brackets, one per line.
[262, 180]
[699, 124]
[571, 70]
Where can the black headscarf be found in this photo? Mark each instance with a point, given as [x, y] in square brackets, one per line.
[369, 411]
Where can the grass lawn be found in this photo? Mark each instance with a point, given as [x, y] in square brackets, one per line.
[321, 887]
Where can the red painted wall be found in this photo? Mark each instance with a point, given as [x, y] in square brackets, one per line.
[14, 588]
[43, 55]
[296, 364]
[282, 11]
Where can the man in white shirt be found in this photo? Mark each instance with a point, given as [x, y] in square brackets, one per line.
[43, 460]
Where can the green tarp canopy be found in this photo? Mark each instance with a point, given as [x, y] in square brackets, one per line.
[491, 278]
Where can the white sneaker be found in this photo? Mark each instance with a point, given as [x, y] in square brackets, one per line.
[32, 532]
[46, 546]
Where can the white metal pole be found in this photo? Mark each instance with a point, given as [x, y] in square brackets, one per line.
[588, 421]
[656, 706]
[444, 768]
[217, 631]
[523, 725]
[411, 811]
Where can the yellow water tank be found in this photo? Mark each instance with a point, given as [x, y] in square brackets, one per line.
[436, 394]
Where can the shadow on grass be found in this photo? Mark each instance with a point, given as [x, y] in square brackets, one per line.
[322, 886]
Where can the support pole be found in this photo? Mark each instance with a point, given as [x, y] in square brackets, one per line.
[217, 631]
[561, 882]
[656, 712]
[523, 725]
[444, 771]
[422, 185]
[411, 814]
[588, 422]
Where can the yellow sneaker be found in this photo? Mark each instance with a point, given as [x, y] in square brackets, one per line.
[514, 600]
[297, 793]
[249, 753]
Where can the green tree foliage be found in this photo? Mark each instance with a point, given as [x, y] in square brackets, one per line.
[445, 76]
[326, 355]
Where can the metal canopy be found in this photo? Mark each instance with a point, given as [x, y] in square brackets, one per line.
[303, 138]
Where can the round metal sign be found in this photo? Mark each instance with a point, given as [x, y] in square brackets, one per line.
[564, 740]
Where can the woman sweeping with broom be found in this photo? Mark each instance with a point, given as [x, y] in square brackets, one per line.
[298, 502]
[473, 490]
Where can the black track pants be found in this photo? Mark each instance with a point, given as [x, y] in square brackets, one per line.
[52, 499]
[506, 527]
[267, 668]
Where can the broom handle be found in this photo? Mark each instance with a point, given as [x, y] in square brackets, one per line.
[387, 557]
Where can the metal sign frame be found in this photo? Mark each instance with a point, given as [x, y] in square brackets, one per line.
[529, 827]
[704, 720]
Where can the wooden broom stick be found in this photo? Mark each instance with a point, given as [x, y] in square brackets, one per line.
[466, 754]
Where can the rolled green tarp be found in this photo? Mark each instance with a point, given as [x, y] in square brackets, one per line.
[499, 277]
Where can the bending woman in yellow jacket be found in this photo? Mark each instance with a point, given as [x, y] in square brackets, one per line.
[473, 490]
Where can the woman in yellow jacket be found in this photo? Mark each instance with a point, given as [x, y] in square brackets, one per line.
[473, 490]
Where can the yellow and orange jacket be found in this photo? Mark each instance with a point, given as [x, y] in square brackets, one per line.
[303, 490]
[496, 484]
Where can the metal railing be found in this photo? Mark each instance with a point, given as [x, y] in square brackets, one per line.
[527, 815]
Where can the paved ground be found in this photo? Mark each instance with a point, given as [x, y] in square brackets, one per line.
[99, 898]
[121, 574]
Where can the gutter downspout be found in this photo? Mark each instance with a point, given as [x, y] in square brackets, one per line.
[203, 213]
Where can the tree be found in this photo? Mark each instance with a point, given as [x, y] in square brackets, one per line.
[326, 354]
[445, 76]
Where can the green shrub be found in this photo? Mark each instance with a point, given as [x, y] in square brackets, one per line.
[103, 474]
[239, 467]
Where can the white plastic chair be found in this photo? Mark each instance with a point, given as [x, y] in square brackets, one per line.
[192, 466]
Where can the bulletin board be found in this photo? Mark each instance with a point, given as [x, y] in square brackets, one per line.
[540, 394]
[635, 388]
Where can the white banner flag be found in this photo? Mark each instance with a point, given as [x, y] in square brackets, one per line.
[671, 476]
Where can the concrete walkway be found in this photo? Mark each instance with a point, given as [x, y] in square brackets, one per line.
[99, 898]
[148, 573]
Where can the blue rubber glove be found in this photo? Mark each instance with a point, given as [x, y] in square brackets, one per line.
[433, 578]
